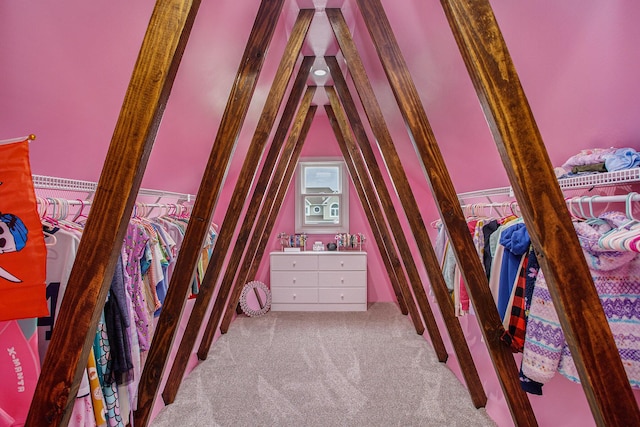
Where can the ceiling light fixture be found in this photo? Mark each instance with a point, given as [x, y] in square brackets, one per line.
[320, 72]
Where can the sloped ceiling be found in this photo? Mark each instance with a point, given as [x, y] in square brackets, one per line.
[65, 68]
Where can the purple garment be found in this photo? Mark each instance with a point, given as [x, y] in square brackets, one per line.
[135, 242]
[616, 276]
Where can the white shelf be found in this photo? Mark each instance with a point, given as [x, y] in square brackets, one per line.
[500, 191]
[63, 184]
[66, 184]
[601, 179]
[583, 181]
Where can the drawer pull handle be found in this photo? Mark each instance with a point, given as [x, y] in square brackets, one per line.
[342, 296]
[294, 296]
[341, 263]
[342, 280]
[293, 263]
[294, 280]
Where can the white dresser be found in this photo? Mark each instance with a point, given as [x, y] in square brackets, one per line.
[319, 281]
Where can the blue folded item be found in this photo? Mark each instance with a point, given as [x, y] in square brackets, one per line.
[624, 158]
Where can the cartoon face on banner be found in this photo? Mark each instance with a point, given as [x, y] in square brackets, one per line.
[13, 237]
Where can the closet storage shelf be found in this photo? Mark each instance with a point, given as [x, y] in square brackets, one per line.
[601, 179]
[583, 181]
[66, 184]
[63, 184]
[500, 191]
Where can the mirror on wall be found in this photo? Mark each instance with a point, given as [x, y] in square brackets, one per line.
[322, 199]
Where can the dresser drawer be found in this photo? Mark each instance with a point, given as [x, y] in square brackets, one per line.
[342, 295]
[294, 278]
[342, 262]
[318, 281]
[294, 262]
[351, 278]
[294, 295]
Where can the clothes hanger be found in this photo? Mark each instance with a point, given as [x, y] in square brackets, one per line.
[186, 213]
[495, 209]
[574, 215]
[481, 212]
[79, 214]
[589, 218]
[631, 239]
[60, 212]
[504, 206]
[48, 219]
[513, 207]
[581, 206]
[615, 238]
[41, 206]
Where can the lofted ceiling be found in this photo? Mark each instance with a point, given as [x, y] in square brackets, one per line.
[66, 66]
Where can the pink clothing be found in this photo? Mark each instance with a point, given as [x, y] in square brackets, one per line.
[135, 242]
[589, 156]
[82, 415]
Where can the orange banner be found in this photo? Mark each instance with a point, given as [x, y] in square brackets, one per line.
[23, 255]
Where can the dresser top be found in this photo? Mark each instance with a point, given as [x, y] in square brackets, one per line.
[321, 253]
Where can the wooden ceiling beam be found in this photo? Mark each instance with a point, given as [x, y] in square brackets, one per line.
[134, 134]
[206, 200]
[235, 206]
[434, 272]
[270, 209]
[392, 160]
[243, 236]
[544, 211]
[261, 194]
[452, 216]
[374, 197]
[371, 205]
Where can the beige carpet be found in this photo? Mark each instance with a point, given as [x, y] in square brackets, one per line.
[322, 369]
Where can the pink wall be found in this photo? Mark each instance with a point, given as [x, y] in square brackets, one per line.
[321, 142]
[65, 68]
[580, 75]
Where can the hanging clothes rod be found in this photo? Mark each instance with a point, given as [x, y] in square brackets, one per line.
[78, 202]
[622, 198]
[66, 184]
[579, 203]
[29, 137]
[58, 208]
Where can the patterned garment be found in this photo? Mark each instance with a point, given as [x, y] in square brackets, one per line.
[515, 333]
[616, 276]
[97, 397]
[134, 244]
[533, 267]
[102, 352]
[82, 415]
